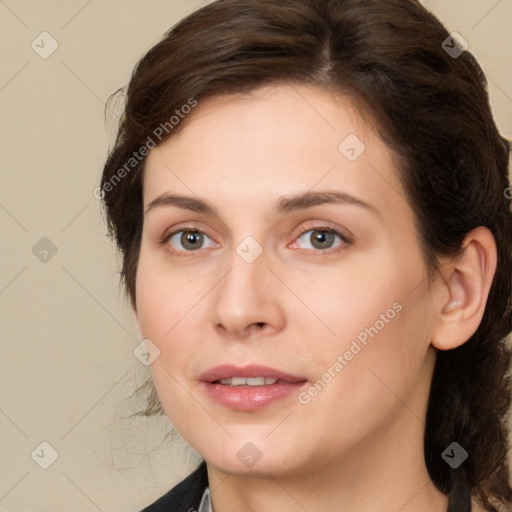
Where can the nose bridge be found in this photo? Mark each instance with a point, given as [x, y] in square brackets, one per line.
[241, 286]
[246, 296]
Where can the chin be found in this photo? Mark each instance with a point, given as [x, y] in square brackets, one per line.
[256, 456]
[274, 466]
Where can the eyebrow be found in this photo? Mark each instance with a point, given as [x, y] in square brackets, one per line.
[285, 204]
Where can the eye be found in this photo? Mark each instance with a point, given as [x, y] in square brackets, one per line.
[188, 240]
[319, 238]
[322, 238]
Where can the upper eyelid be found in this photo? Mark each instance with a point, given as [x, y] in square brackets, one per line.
[318, 225]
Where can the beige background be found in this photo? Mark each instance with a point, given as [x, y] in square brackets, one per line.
[67, 367]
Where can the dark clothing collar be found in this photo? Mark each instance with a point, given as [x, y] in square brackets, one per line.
[184, 497]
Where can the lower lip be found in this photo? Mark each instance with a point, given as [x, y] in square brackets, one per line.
[251, 398]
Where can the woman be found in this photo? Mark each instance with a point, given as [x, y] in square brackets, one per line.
[310, 201]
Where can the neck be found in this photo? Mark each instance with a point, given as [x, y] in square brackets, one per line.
[362, 481]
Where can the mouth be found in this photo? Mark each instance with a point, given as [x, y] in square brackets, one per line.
[249, 388]
[248, 381]
[252, 375]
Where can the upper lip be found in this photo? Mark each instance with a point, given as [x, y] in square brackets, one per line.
[227, 371]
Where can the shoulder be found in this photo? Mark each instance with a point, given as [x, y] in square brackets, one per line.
[184, 496]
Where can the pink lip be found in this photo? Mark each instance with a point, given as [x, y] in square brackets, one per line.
[245, 398]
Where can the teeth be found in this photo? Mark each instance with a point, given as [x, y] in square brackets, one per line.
[249, 381]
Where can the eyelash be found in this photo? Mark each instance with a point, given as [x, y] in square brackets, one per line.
[345, 239]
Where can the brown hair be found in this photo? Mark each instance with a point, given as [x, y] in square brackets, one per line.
[430, 106]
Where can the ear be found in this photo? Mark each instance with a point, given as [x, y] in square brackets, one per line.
[466, 282]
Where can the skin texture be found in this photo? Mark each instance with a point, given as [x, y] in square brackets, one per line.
[359, 441]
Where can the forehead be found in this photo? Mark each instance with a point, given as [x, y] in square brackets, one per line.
[276, 140]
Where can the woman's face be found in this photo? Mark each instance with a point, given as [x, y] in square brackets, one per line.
[287, 243]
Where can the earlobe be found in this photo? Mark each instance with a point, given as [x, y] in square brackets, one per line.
[467, 280]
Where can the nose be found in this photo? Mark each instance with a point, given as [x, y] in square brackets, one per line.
[247, 300]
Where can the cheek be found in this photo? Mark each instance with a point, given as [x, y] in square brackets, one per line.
[383, 359]
[165, 313]
[163, 310]
[165, 297]
[380, 323]
[352, 301]
[361, 386]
